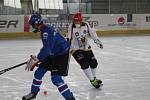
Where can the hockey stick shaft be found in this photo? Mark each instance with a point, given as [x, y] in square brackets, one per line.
[10, 68]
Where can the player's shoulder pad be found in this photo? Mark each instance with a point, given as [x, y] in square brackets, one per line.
[85, 23]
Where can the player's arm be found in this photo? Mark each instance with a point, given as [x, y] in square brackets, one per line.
[35, 60]
[69, 34]
[93, 34]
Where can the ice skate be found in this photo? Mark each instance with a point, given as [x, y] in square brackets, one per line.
[72, 97]
[29, 96]
[98, 80]
[95, 83]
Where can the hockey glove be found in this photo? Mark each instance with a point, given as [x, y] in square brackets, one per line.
[32, 62]
[99, 43]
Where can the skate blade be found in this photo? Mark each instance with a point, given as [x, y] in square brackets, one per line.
[100, 88]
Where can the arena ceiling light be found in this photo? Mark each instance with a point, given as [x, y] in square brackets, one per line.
[12, 3]
[49, 4]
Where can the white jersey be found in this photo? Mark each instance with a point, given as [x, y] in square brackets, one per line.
[78, 36]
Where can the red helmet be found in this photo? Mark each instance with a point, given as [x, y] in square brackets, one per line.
[77, 17]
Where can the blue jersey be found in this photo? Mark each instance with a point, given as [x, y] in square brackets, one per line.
[54, 43]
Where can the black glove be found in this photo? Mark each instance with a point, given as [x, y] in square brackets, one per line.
[99, 43]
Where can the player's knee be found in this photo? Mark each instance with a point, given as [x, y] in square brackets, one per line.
[93, 63]
[39, 73]
[57, 80]
[84, 67]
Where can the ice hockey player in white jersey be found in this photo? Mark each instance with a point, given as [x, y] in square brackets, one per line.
[80, 49]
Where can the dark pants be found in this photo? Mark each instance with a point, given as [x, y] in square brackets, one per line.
[86, 59]
[58, 64]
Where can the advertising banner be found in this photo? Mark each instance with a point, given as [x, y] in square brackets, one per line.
[11, 23]
[102, 22]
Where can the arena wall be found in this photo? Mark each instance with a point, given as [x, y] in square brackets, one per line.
[106, 24]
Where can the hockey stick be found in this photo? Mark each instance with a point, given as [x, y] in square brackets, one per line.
[10, 68]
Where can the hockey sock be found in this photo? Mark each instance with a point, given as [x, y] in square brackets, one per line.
[37, 81]
[88, 73]
[62, 87]
[93, 72]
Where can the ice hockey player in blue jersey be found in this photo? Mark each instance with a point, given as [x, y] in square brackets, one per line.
[53, 57]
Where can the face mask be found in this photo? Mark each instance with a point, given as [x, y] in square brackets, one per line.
[35, 30]
[77, 25]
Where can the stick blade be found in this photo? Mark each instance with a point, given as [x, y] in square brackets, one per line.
[1, 72]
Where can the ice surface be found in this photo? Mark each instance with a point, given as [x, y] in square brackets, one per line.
[124, 67]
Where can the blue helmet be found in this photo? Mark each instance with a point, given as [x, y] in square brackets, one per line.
[35, 19]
